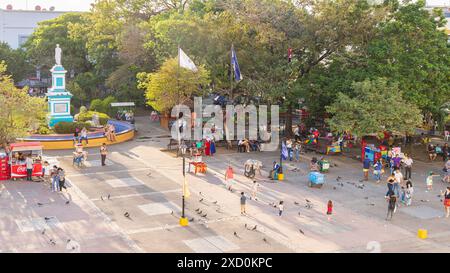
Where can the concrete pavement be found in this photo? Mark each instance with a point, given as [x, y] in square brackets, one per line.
[146, 182]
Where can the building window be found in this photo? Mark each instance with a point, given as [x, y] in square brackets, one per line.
[23, 39]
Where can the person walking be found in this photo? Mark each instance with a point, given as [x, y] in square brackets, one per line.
[446, 195]
[103, 153]
[76, 135]
[297, 150]
[280, 208]
[407, 161]
[409, 193]
[243, 201]
[392, 201]
[366, 168]
[329, 209]
[47, 173]
[55, 179]
[255, 187]
[398, 181]
[229, 178]
[62, 179]
[29, 165]
[289, 148]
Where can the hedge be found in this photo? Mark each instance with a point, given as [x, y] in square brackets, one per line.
[69, 127]
[84, 117]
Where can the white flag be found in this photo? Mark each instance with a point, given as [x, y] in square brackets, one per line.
[185, 61]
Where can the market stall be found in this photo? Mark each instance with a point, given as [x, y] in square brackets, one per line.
[19, 152]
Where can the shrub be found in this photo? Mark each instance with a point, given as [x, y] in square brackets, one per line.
[83, 109]
[106, 104]
[96, 105]
[84, 117]
[44, 130]
[69, 127]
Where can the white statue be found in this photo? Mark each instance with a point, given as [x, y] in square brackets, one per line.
[58, 53]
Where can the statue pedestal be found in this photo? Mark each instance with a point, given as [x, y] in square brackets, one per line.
[58, 98]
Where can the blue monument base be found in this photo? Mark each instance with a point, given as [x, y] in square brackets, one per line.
[53, 120]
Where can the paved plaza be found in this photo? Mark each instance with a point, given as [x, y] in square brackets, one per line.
[142, 180]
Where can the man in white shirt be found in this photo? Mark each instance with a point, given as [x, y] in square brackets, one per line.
[29, 165]
[408, 166]
[398, 181]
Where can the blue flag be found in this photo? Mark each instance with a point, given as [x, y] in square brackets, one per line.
[284, 151]
[234, 63]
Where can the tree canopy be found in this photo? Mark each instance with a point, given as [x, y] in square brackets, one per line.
[334, 43]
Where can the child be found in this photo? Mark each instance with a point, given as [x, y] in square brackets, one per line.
[280, 208]
[229, 174]
[429, 181]
[409, 193]
[329, 208]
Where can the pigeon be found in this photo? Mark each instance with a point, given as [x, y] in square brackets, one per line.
[301, 231]
[296, 203]
[371, 204]
[200, 212]
[235, 234]
[245, 225]
[201, 200]
[197, 210]
[338, 178]
[40, 204]
[299, 213]
[204, 216]
[192, 219]
[256, 226]
[265, 240]
[47, 218]
[215, 202]
[308, 201]
[366, 198]
[171, 212]
[67, 202]
[52, 242]
[101, 197]
[126, 214]
[200, 193]
[43, 232]
[109, 196]
[334, 188]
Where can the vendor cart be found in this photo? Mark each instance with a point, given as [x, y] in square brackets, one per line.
[316, 179]
[17, 155]
[324, 165]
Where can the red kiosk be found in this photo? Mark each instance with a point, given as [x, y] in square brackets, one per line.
[18, 153]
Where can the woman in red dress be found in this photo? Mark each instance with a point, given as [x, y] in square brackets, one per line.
[208, 147]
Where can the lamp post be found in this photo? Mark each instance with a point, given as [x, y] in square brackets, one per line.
[183, 220]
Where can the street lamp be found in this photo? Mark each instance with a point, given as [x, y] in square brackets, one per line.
[183, 220]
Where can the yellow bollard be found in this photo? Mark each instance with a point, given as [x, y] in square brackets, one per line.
[422, 233]
[184, 222]
[281, 176]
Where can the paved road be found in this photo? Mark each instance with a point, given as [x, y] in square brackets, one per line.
[146, 182]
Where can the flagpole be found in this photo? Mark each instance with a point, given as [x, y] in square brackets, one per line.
[231, 72]
[183, 220]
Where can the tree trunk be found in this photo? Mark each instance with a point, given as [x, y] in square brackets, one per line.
[288, 128]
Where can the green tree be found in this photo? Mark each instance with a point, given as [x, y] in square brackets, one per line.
[18, 67]
[40, 47]
[171, 85]
[19, 111]
[378, 106]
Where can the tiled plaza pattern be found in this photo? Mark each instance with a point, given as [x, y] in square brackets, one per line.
[146, 183]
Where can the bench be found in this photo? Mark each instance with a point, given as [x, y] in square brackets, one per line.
[172, 143]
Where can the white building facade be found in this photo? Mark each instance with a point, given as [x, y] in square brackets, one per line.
[17, 25]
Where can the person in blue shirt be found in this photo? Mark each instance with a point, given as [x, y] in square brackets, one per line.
[366, 168]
